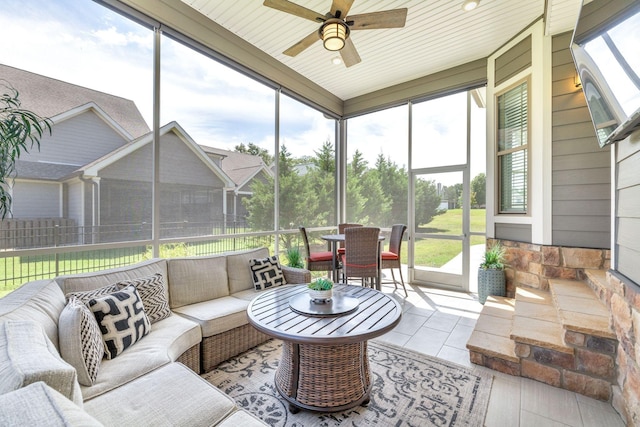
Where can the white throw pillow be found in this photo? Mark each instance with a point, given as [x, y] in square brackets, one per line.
[80, 340]
[266, 273]
[86, 296]
[122, 320]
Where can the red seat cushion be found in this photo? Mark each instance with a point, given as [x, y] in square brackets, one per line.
[389, 255]
[321, 256]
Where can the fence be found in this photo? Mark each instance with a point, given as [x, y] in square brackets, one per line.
[55, 232]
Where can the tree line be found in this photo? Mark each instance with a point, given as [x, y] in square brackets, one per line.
[376, 194]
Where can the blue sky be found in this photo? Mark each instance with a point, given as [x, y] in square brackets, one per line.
[83, 43]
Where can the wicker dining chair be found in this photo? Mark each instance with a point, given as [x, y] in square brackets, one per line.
[391, 257]
[341, 228]
[362, 257]
[316, 261]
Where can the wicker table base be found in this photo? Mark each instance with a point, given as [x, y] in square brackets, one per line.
[324, 364]
[324, 378]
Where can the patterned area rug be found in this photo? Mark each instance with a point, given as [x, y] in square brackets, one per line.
[409, 389]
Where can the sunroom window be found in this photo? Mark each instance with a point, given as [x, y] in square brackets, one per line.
[513, 143]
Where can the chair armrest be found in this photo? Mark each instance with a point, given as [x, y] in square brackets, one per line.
[296, 275]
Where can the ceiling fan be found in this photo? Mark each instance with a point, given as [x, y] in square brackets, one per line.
[337, 25]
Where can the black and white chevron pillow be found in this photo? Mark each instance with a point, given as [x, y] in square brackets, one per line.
[266, 273]
[122, 320]
[153, 295]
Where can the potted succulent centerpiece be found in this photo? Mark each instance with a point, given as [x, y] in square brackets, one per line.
[491, 279]
[320, 290]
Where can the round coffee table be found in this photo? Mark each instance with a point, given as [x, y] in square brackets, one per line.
[324, 364]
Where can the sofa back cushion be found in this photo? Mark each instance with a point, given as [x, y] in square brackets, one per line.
[99, 279]
[28, 356]
[196, 279]
[240, 276]
[40, 301]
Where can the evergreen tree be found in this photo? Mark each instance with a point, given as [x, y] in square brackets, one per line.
[256, 151]
[479, 187]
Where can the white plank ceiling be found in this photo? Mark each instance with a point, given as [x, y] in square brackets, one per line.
[438, 35]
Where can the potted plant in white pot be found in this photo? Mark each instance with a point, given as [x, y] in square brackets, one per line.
[491, 279]
[320, 290]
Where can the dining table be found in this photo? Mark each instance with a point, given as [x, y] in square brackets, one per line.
[335, 239]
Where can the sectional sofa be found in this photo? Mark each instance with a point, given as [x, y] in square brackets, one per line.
[67, 357]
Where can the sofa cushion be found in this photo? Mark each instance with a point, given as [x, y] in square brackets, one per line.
[153, 294]
[40, 301]
[98, 279]
[266, 273]
[172, 395]
[81, 340]
[218, 315]
[169, 338]
[28, 356]
[197, 279]
[242, 418]
[39, 405]
[238, 268]
[122, 320]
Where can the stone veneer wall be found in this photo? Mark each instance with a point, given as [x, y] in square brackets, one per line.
[623, 300]
[531, 265]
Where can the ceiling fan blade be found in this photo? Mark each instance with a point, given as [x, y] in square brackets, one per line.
[341, 5]
[302, 44]
[295, 9]
[349, 53]
[395, 18]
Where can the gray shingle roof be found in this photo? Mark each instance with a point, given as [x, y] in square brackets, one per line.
[45, 171]
[49, 97]
[239, 166]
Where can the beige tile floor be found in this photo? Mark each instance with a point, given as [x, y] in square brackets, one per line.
[439, 322]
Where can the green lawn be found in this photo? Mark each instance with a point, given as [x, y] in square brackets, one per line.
[14, 271]
[437, 252]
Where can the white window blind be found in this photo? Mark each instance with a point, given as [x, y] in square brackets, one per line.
[513, 142]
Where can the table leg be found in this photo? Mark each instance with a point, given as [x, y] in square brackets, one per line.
[334, 253]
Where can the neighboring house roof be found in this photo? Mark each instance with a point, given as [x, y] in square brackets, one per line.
[50, 97]
[94, 167]
[241, 167]
[43, 171]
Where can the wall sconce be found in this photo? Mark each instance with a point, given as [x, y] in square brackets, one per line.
[576, 80]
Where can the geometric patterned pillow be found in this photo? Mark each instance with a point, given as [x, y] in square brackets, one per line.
[153, 295]
[122, 320]
[266, 273]
[86, 296]
[80, 340]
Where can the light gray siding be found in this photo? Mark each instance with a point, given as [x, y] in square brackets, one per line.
[513, 61]
[581, 169]
[178, 165]
[77, 141]
[517, 232]
[628, 207]
[36, 200]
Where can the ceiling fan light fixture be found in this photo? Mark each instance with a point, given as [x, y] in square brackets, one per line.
[470, 4]
[333, 33]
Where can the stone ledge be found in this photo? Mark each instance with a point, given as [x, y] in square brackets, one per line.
[540, 333]
[579, 309]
